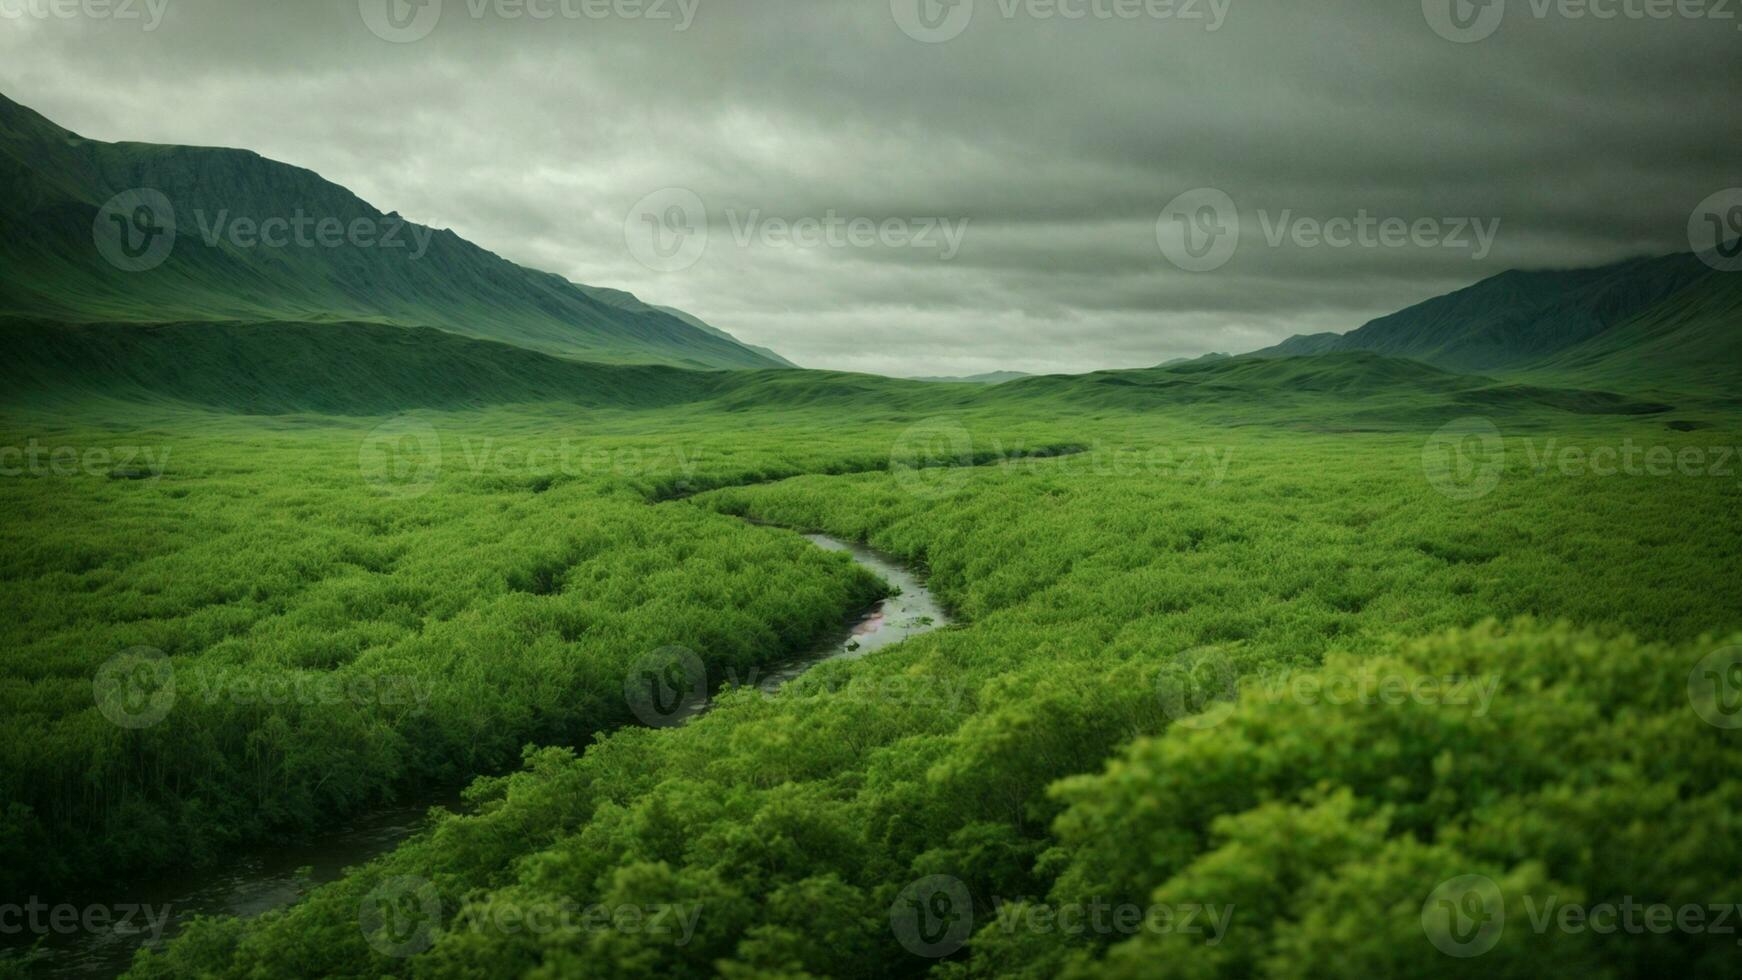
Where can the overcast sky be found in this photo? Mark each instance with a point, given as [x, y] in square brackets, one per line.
[1060, 141]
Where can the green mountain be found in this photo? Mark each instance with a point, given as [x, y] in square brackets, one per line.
[1563, 340]
[1663, 315]
[1693, 339]
[256, 240]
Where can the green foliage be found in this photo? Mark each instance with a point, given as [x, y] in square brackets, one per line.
[335, 643]
[1589, 779]
[1170, 552]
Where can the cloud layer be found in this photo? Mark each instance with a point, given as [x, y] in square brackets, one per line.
[823, 138]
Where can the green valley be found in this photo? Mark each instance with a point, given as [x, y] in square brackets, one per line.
[1213, 528]
[1413, 651]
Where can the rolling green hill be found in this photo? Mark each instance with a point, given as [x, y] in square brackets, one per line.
[989, 378]
[1524, 321]
[1350, 387]
[335, 259]
[326, 368]
[360, 368]
[1201, 359]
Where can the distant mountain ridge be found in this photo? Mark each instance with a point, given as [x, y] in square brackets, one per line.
[220, 266]
[1653, 324]
[989, 378]
[1573, 321]
[1209, 358]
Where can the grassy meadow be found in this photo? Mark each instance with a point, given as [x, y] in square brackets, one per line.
[231, 627]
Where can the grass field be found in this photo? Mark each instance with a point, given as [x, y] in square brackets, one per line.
[348, 613]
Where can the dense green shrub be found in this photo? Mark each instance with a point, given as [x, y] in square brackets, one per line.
[1098, 602]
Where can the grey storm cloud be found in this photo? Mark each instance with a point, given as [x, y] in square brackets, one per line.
[1051, 133]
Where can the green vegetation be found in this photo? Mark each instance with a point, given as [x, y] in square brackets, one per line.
[333, 646]
[794, 822]
[989, 378]
[1586, 780]
[514, 590]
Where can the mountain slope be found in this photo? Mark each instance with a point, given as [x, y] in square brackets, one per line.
[332, 256]
[1302, 345]
[1693, 339]
[703, 325]
[1515, 319]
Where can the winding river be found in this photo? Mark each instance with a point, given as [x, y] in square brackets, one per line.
[267, 877]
